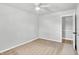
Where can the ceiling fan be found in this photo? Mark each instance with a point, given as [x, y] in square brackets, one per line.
[41, 6]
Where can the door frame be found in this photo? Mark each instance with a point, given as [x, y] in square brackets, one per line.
[74, 28]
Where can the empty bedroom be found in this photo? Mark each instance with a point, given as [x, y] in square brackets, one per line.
[39, 28]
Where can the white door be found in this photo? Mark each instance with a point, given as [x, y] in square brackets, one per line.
[77, 18]
[74, 31]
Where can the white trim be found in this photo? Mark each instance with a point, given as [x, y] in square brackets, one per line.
[67, 39]
[19, 45]
[67, 15]
[50, 39]
[60, 28]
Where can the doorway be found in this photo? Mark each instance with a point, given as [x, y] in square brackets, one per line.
[67, 28]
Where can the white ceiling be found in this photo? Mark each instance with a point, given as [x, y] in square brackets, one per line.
[57, 7]
[51, 7]
[28, 7]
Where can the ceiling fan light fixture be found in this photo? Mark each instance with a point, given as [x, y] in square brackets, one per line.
[37, 8]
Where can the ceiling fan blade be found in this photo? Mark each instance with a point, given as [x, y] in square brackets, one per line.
[44, 5]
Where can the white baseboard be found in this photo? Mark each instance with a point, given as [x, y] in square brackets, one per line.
[18, 45]
[49, 39]
[67, 38]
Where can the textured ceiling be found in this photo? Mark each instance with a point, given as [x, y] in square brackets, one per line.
[51, 7]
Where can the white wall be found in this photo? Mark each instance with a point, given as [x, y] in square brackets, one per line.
[16, 26]
[51, 26]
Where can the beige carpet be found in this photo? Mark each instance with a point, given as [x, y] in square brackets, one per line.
[38, 47]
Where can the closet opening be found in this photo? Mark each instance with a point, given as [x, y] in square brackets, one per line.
[69, 30]
[67, 27]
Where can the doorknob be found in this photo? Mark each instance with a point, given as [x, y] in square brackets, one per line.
[74, 32]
